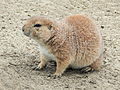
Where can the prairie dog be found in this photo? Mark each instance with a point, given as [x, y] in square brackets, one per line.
[72, 42]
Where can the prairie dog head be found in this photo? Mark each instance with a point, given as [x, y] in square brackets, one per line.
[38, 28]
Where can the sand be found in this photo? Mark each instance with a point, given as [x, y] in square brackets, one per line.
[19, 54]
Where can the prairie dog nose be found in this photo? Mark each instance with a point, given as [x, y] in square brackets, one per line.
[26, 31]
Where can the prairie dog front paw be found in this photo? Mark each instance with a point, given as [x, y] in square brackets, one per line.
[42, 63]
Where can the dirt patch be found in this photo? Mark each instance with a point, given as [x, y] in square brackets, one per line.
[19, 55]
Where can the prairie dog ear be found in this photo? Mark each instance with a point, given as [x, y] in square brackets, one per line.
[50, 27]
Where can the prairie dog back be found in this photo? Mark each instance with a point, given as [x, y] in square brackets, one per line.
[85, 40]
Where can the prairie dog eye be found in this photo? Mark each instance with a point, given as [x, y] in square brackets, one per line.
[37, 25]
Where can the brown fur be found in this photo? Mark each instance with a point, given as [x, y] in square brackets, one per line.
[74, 41]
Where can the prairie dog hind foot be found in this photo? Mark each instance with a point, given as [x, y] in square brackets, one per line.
[95, 66]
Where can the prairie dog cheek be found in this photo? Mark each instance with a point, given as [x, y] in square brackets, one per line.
[46, 33]
[34, 34]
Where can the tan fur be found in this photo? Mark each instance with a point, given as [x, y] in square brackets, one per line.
[73, 41]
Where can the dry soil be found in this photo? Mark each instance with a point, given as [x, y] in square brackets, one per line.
[19, 55]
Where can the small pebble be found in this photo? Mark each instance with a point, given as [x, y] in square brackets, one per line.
[67, 86]
[108, 10]
[3, 27]
[102, 27]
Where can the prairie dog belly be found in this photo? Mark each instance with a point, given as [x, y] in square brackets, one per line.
[46, 53]
[76, 65]
[80, 63]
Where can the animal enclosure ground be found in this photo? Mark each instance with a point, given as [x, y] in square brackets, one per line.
[19, 54]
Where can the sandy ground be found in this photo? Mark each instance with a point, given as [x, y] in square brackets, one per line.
[19, 55]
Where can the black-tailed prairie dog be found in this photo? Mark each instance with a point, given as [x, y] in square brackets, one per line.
[72, 42]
